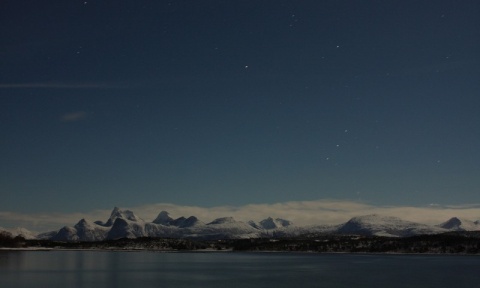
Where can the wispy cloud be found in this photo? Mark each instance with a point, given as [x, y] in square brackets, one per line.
[300, 212]
[74, 116]
[47, 221]
[315, 212]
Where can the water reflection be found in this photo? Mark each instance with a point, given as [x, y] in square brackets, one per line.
[148, 269]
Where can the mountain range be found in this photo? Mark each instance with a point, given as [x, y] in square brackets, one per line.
[125, 224]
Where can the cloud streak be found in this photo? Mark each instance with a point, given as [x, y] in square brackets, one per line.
[42, 222]
[318, 212]
[315, 212]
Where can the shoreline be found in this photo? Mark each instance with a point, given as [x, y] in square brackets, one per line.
[215, 251]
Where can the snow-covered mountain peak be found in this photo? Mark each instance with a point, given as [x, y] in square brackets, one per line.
[458, 224]
[379, 225]
[18, 231]
[191, 221]
[376, 220]
[271, 223]
[83, 223]
[163, 218]
[452, 223]
[122, 214]
[268, 223]
[125, 224]
[183, 222]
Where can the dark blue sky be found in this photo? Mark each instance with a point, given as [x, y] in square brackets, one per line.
[106, 103]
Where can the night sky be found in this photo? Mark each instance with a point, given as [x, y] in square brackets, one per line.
[205, 103]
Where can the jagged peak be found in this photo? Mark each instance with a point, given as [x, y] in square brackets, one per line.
[454, 221]
[127, 214]
[163, 218]
[82, 222]
[270, 223]
[460, 224]
[118, 213]
[124, 223]
[191, 221]
[115, 210]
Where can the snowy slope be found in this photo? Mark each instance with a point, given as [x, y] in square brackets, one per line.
[121, 224]
[378, 225]
[458, 224]
[164, 219]
[46, 235]
[82, 231]
[226, 228]
[20, 232]
[122, 214]
[123, 228]
[125, 224]
[270, 223]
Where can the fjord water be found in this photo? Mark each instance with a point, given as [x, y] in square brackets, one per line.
[150, 269]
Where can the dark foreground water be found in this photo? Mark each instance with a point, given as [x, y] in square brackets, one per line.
[150, 269]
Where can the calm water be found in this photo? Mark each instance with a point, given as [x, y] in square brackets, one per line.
[149, 269]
